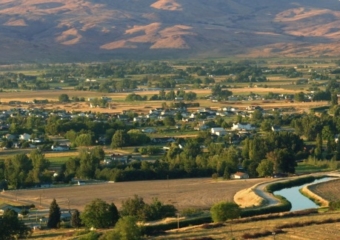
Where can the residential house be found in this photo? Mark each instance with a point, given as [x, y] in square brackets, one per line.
[149, 130]
[10, 137]
[4, 207]
[60, 148]
[243, 126]
[139, 119]
[240, 175]
[25, 137]
[276, 128]
[201, 127]
[218, 131]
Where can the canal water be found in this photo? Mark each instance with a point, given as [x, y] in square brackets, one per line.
[299, 201]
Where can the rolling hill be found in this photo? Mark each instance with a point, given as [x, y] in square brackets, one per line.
[95, 30]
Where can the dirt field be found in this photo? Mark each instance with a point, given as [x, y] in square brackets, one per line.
[184, 193]
[329, 191]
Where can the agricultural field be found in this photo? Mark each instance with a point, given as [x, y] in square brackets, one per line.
[329, 191]
[182, 193]
[329, 231]
[119, 104]
[235, 231]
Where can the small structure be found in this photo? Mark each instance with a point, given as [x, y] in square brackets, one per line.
[240, 175]
[60, 148]
[4, 207]
[218, 131]
[243, 126]
[276, 128]
[148, 130]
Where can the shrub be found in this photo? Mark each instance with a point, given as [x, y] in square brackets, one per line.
[191, 212]
[223, 211]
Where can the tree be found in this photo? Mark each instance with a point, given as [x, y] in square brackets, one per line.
[17, 169]
[299, 97]
[126, 229]
[119, 139]
[84, 139]
[169, 121]
[64, 98]
[221, 212]
[218, 92]
[283, 160]
[266, 126]
[265, 168]
[39, 162]
[137, 138]
[257, 115]
[11, 227]
[334, 99]
[134, 207]
[114, 213]
[75, 219]
[54, 215]
[99, 214]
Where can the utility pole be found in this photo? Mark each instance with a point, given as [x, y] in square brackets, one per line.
[177, 220]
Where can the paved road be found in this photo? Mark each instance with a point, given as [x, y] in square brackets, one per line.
[269, 197]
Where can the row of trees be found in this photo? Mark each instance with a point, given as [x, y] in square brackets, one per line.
[25, 171]
[100, 214]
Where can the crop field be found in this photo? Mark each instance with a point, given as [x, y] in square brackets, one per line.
[329, 191]
[330, 231]
[199, 193]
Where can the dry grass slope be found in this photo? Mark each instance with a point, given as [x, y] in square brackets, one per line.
[64, 30]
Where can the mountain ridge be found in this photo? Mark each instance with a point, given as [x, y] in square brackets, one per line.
[94, 30]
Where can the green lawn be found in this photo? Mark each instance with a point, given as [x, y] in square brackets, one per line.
[56, 162]
[307, 168]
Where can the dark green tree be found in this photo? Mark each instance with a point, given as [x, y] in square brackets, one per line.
[99, 214]
[299, 97]
[119, 139]
[11, 227]
[75, 219]
[334, 99]
[169, 121]
[64, 98]
[54, 215]
[114, 213]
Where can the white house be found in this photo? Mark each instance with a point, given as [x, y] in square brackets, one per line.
[218, 131]
[25, 137]
[239, 175]
[243, 126]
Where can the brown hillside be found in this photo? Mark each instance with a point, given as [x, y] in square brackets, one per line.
[86, 30]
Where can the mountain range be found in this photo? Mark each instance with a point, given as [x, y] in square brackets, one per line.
[99, 30]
